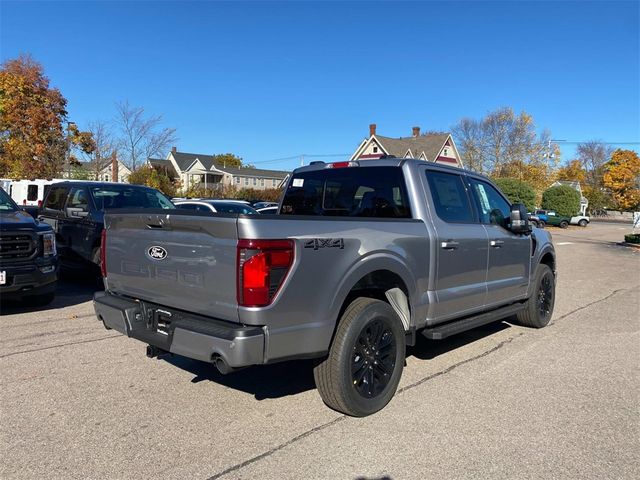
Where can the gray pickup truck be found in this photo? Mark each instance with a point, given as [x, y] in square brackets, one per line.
[361, 258]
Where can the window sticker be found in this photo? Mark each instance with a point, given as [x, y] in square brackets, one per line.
[484, 199]
[298, 182]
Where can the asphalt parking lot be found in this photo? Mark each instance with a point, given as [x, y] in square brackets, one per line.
[78, 401]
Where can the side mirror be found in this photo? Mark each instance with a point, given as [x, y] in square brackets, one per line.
[74, 212]
[519, 219]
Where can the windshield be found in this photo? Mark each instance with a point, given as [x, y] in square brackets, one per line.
[108, 197]
[6, 204]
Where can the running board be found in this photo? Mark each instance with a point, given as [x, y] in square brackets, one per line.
[440, 332]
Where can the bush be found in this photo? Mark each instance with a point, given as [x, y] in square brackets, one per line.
[518, 191]
[632, 238]
[232, 193]
[563, 199]
[154, 178]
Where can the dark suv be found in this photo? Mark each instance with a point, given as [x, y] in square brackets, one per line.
[75, 210]
[28, 260]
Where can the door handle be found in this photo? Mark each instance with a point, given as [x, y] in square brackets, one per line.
[449, 245]
[496, 243]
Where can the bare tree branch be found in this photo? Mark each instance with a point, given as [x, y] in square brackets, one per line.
[141, 136]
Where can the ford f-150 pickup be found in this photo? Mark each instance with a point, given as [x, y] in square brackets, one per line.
[361, 258]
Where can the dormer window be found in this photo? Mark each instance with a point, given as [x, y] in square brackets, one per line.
[446, 152]
[375, 149]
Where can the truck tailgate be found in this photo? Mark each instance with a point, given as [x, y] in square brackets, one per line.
[179, 259]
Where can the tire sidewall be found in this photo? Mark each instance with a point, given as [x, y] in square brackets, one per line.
[362, 406]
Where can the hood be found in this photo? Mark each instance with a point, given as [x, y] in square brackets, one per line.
[17, 220]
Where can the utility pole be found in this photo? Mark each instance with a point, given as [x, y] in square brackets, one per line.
[67, 153]
[302, 160]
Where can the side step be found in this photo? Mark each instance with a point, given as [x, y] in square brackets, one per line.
[440, 332]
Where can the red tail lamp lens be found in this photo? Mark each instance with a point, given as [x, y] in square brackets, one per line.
[262, 268]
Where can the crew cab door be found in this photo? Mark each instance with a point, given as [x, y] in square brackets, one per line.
[461, 247]
[52, 213]
[76, 226]
[509, 254]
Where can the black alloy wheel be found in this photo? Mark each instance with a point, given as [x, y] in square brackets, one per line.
[374, 359]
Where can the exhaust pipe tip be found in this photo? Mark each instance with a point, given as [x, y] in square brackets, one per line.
[222, 366]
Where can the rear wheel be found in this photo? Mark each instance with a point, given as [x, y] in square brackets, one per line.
[564, 224]
[362, 371]
[583, 223]
[539, 307]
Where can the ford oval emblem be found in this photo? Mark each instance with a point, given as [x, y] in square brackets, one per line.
[157, 253]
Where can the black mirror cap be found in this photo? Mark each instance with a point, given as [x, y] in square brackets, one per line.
[519, 219]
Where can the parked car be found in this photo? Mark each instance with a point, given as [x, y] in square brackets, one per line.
[216, 206]
[268, 210]
[75, 211]
[28, 258]
[581, 220]
[535, 221]
[553, 218]
[358, 262]
[259, 205]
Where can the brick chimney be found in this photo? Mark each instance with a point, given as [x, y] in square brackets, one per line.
[372, 129]
[174, 149]
[416, 131]
[114, 167]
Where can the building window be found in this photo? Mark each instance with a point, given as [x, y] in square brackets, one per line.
[237, 180]
[246, 181]
[274, 182]
[255, 181]
[375, 149]
[446, 152]
[106, 178]
[262, 182]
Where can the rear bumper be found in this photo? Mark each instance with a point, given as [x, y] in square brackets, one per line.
[178, 332]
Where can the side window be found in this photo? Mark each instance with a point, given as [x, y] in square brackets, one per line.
[202, 208]
[494, 209]
[186, 206]
[450, 197]
[79, 198]
[56, 198]
[32, 192]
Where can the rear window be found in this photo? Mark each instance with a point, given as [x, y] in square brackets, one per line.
[56, 198]
[348, 192]
[32, 192]
[129, 197]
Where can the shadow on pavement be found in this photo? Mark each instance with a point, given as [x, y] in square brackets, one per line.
[73, 289]
[262, 381]
[294, 377]
[426, 349]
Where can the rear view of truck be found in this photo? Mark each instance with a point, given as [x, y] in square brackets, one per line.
[239, 290]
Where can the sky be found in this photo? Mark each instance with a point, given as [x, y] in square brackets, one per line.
[272, 80]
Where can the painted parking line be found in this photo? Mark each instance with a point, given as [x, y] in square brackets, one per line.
[564, 243]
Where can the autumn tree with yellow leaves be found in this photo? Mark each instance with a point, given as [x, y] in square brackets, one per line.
[35, 136]
[622, 178]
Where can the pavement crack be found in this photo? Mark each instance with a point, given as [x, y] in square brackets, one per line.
[459, 364]
[279, 447]
[594, 302]
[60, 345]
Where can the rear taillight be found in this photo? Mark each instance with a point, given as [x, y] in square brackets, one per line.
[39, 203]
[262, 267]
[24, 201]
[103, 253]
[343, 164]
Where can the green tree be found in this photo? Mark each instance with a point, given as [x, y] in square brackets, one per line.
[227, 160]
[622, 178]
[563, 199]
[518, 191]
[155, 178]
[33, 139]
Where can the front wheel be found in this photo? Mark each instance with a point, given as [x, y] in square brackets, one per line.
[583, 223]
[564, 224]
[539, 307]
[362, 371]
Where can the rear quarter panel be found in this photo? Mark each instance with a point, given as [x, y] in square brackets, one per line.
[304, 312]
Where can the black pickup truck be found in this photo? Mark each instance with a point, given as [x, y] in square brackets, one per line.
[28, 258]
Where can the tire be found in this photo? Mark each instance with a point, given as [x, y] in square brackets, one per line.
[534, 223]
[347, 380]
[539, 307]
[542, 224]
[583, 223]
[564, 224]
[42, 300]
